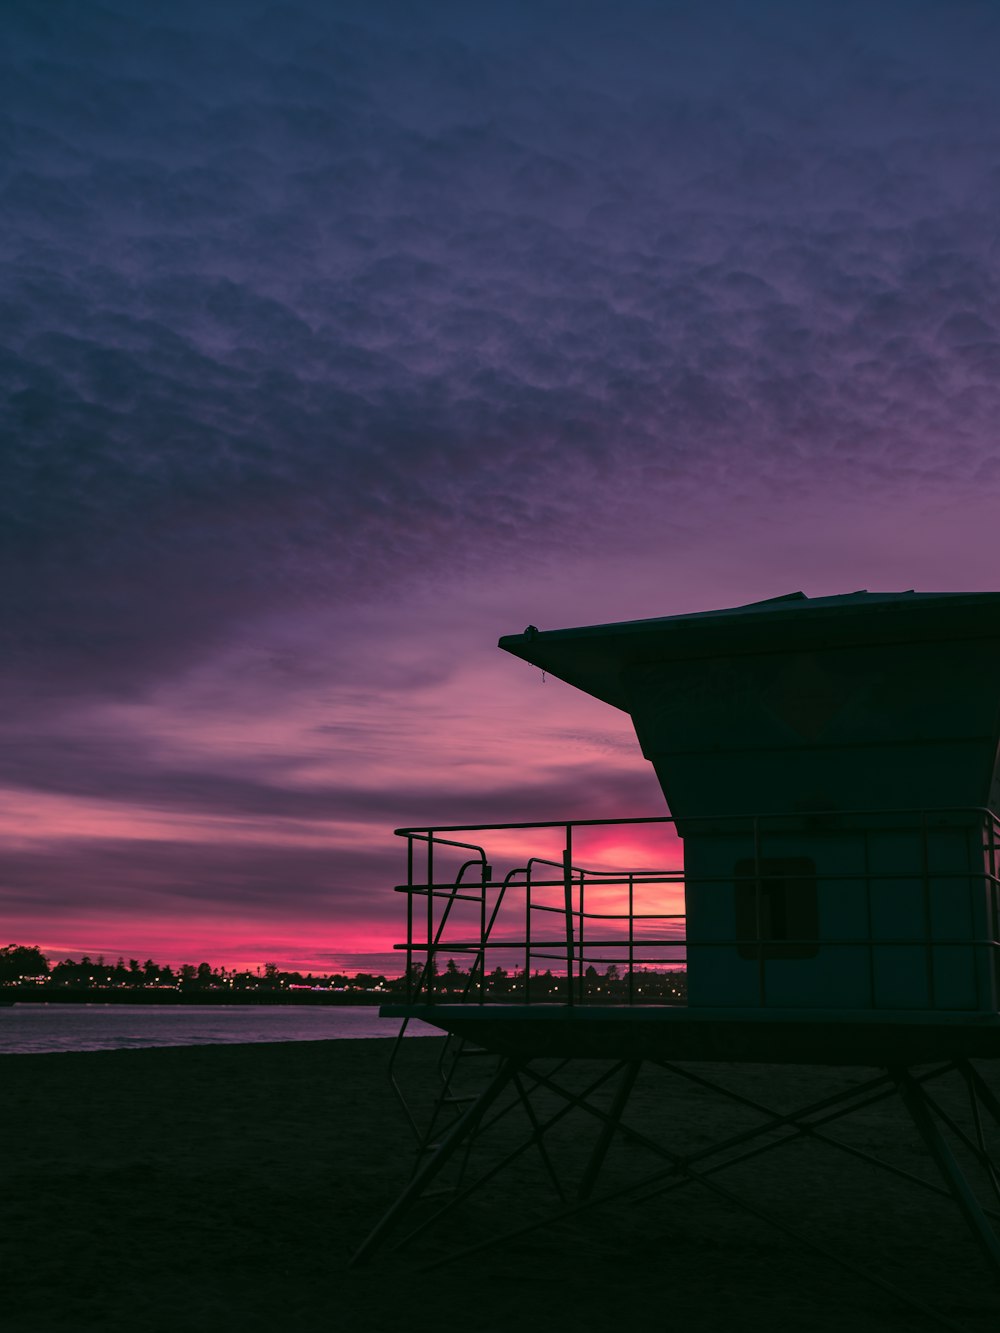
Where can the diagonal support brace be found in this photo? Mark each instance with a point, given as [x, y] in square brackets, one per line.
[452, 1141]
[609, 1129]
[915, 1101]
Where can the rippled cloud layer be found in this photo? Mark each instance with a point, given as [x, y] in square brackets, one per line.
[311, 309]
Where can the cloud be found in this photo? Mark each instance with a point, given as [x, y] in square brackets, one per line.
[302, 299]
[315, 314]
[268, 791]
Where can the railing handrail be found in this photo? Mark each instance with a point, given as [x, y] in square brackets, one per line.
[418, 830]
[766, 942]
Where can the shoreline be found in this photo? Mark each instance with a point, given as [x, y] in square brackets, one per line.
[184, 1187]
[94, 997]
[28, 1029]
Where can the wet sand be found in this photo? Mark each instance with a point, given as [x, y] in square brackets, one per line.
[202, 1188]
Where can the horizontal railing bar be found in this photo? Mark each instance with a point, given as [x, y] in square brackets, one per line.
[623, 877]
[697, 881]
[797, 816]
[574, 895]
[617, 959]
[423, 891]
[656, 872]
[561, 958]
[744, 942]
[446, 885]
[549, 944]
[432, 836]
[453, 948]
[608, 916]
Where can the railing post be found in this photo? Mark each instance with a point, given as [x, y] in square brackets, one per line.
[928, 920]
[431, 960]
[993, 923]
[409, 919]
[527, 935]
[580, 958]
[869, 920]
[482, 934]
[568, 903]
[631, 938]
[759, 916]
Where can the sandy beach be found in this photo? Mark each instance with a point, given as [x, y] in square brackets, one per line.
[227, 1187]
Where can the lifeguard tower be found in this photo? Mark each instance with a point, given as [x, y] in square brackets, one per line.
[831, 767]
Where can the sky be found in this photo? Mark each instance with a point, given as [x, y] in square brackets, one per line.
[339, 339]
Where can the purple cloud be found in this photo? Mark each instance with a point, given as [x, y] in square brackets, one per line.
[311, 310]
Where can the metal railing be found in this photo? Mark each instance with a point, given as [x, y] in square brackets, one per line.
[514, 908]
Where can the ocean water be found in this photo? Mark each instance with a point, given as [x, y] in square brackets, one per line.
[33, 1029]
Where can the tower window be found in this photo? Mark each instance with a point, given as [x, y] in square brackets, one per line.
[788, 922]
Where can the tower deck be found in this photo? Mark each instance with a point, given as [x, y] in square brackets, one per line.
[669, 1032]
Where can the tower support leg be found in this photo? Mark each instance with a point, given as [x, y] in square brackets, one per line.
[608, 1129]
[913, 1097]
[984, 1093]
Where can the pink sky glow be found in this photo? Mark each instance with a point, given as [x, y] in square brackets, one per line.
[317, 385]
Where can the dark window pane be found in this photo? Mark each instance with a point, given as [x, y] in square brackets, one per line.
[789, 917]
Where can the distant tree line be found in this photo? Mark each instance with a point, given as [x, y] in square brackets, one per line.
[614, 984]
[19, 962]
[22, 965]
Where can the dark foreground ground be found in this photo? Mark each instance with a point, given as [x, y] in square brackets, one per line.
[209, 1188]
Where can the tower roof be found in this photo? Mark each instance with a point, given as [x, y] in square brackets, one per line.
[594, 658]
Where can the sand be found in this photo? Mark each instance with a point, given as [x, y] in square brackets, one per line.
[226, 1187]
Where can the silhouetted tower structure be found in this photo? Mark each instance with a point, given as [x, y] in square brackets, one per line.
[830, 765]
[846, 749]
